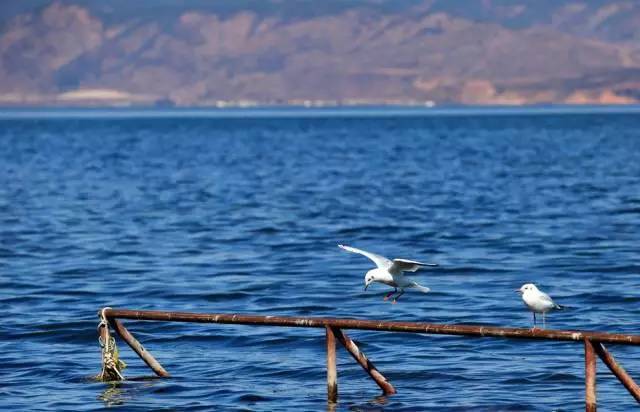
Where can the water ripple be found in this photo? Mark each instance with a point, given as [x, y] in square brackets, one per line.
[243, 215]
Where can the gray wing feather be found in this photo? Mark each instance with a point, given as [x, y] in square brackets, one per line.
[547, 298]
[380, 261]
[405, 265]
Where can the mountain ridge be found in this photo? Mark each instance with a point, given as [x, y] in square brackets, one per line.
[416, 52]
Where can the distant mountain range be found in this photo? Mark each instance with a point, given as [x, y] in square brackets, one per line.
[309, 52]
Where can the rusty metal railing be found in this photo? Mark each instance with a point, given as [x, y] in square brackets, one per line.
[334, 329]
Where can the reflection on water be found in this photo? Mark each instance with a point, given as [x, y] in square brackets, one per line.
[373, 405]
[120, 393]
[115, 394]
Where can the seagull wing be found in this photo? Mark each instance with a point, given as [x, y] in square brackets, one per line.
[380, 261]
[544, 297]
[404, 265]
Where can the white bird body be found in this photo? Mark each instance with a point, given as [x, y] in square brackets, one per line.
[390, 272]
[396, 280]
[382, 276]
[537, 301]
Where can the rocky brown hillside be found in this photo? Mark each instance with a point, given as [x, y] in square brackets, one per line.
[470, 52]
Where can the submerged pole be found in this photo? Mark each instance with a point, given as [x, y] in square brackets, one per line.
[618, 370]
[105, 337]
[138, 348]
[111, 365]
[332, 372]
[103, 332]
[366, 364]
[590, 376]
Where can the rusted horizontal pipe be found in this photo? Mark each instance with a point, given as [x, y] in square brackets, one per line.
[409, 327]
[366, 364]
[138, 348]
[618, 370]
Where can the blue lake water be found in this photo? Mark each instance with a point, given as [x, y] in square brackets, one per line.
[242, 214]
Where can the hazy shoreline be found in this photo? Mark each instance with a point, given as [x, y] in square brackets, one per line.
[299, 111]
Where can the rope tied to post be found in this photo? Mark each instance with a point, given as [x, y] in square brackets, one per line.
[112, 365]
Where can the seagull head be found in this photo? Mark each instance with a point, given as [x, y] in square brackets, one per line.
[368, 279]
[527, 287]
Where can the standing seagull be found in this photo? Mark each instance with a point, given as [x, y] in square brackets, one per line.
[390, 272]
[537, 301]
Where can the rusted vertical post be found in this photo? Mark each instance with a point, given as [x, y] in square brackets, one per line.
[103, 331]
[617, 370]
[105, 336]
[590, 376]
[138, 348]
[366, 364]
[332, 372]
[110, 365]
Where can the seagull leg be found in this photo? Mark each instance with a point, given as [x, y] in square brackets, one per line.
[534, 320]
[544, 324]
[388, 295]
[398, 297]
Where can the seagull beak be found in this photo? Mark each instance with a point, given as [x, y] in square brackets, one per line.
[518, 290]
[365, 287]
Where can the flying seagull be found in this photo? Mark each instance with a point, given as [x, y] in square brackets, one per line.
[390, 272]
[537, 301]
